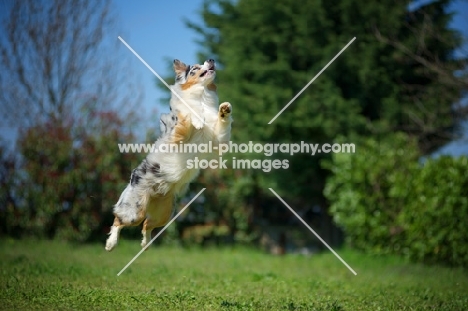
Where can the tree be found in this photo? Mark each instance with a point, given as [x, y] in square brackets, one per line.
[57, 60]
[63, 91]
[8, 174]
[267, 52]
[438, 71]
[73, 179]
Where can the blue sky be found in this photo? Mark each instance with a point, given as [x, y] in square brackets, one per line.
[156, 31]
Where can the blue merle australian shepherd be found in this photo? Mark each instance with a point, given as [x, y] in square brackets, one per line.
[196, 118]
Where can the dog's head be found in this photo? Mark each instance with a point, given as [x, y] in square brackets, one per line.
[191, 75]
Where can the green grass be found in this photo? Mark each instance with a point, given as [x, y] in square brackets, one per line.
[40, 275]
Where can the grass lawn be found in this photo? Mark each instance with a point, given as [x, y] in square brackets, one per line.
[44, 275]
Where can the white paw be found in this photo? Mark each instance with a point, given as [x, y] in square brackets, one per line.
[198, 124]
[110, 244]
[225, 110]
[144, 244]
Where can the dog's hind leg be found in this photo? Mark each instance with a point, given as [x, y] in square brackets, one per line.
[114, 234]
[158, 212]
[129, 211]
[117, 226]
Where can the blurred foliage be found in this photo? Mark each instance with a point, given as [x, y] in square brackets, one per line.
[68, 179]
[435, 217]
[400, 75]
[268, 52]
[368, 190]
[223, 200]
[8, 184]
[221, 217]
[387, 202]
[67, 105]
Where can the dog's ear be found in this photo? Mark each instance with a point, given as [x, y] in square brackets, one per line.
[180, 70]
[179, 66]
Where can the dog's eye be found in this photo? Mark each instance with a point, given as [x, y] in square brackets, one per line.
[193, 71]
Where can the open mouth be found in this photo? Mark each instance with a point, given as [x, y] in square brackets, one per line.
[210, 69]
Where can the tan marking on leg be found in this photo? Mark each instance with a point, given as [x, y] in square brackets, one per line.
[159, 213]
[183, 129]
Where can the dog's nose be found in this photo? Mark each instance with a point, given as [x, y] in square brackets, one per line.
[211, 60]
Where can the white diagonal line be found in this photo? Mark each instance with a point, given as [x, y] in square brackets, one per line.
[311, 81]
[312, 230]
[160, 232]
[161, 79]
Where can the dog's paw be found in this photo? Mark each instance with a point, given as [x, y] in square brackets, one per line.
[143, 245]
[110, 244]
[225, 110]
[198, 123]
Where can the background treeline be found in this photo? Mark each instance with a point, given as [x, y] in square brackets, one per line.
[398, 93]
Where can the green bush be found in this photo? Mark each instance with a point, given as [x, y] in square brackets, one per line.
[68, 179]
[436, 218]
[387, 202]
[364, 201]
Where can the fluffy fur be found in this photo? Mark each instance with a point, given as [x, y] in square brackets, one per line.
[196, 117]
